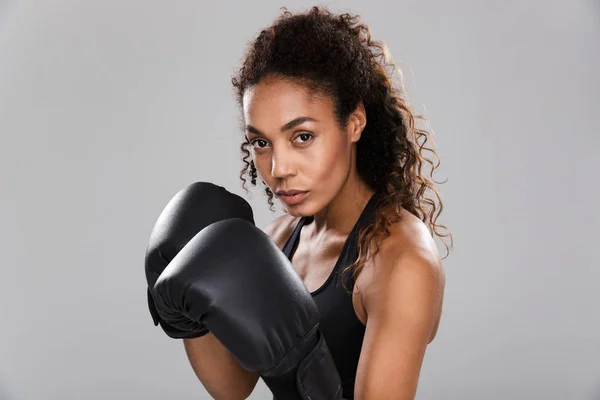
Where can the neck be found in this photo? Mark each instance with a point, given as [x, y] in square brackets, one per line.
[341, 214]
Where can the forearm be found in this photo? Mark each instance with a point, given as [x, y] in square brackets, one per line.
[218, 371]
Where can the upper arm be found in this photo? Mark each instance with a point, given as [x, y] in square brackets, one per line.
[403, 307]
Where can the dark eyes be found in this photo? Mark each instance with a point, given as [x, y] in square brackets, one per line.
[258, 143]
[262, 143]
[304, 136]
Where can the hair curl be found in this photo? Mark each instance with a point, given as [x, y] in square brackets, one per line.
[336, 56]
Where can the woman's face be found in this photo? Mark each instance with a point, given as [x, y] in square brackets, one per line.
[296, 144]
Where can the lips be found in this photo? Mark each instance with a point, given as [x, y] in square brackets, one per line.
[290, 192]
[291, 197]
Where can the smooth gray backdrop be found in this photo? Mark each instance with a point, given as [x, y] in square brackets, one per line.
[108, 108]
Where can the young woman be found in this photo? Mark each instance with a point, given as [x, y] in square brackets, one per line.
[329, 136]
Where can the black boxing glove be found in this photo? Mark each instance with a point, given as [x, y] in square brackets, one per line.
[189, 211]
[233, 280]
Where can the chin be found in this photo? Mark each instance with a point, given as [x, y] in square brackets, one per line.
[304, 209]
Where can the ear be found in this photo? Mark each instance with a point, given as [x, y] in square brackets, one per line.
[356, 123]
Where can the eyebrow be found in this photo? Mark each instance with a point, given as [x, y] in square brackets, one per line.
[292, 124]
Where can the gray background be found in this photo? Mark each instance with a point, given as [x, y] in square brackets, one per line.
[107, 108]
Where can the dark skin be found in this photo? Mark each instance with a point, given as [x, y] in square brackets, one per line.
[398, 295]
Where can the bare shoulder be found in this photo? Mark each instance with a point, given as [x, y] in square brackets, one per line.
[411, 237]
[406, 276]
[410, 248]
[281, 228]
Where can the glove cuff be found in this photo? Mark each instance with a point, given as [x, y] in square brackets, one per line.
[314, 377]
[317, 376]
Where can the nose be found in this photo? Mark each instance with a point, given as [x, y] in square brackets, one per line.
[282, 165]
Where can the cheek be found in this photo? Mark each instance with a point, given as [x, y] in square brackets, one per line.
[330, 160]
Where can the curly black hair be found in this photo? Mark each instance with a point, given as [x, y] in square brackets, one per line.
[335, 55]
